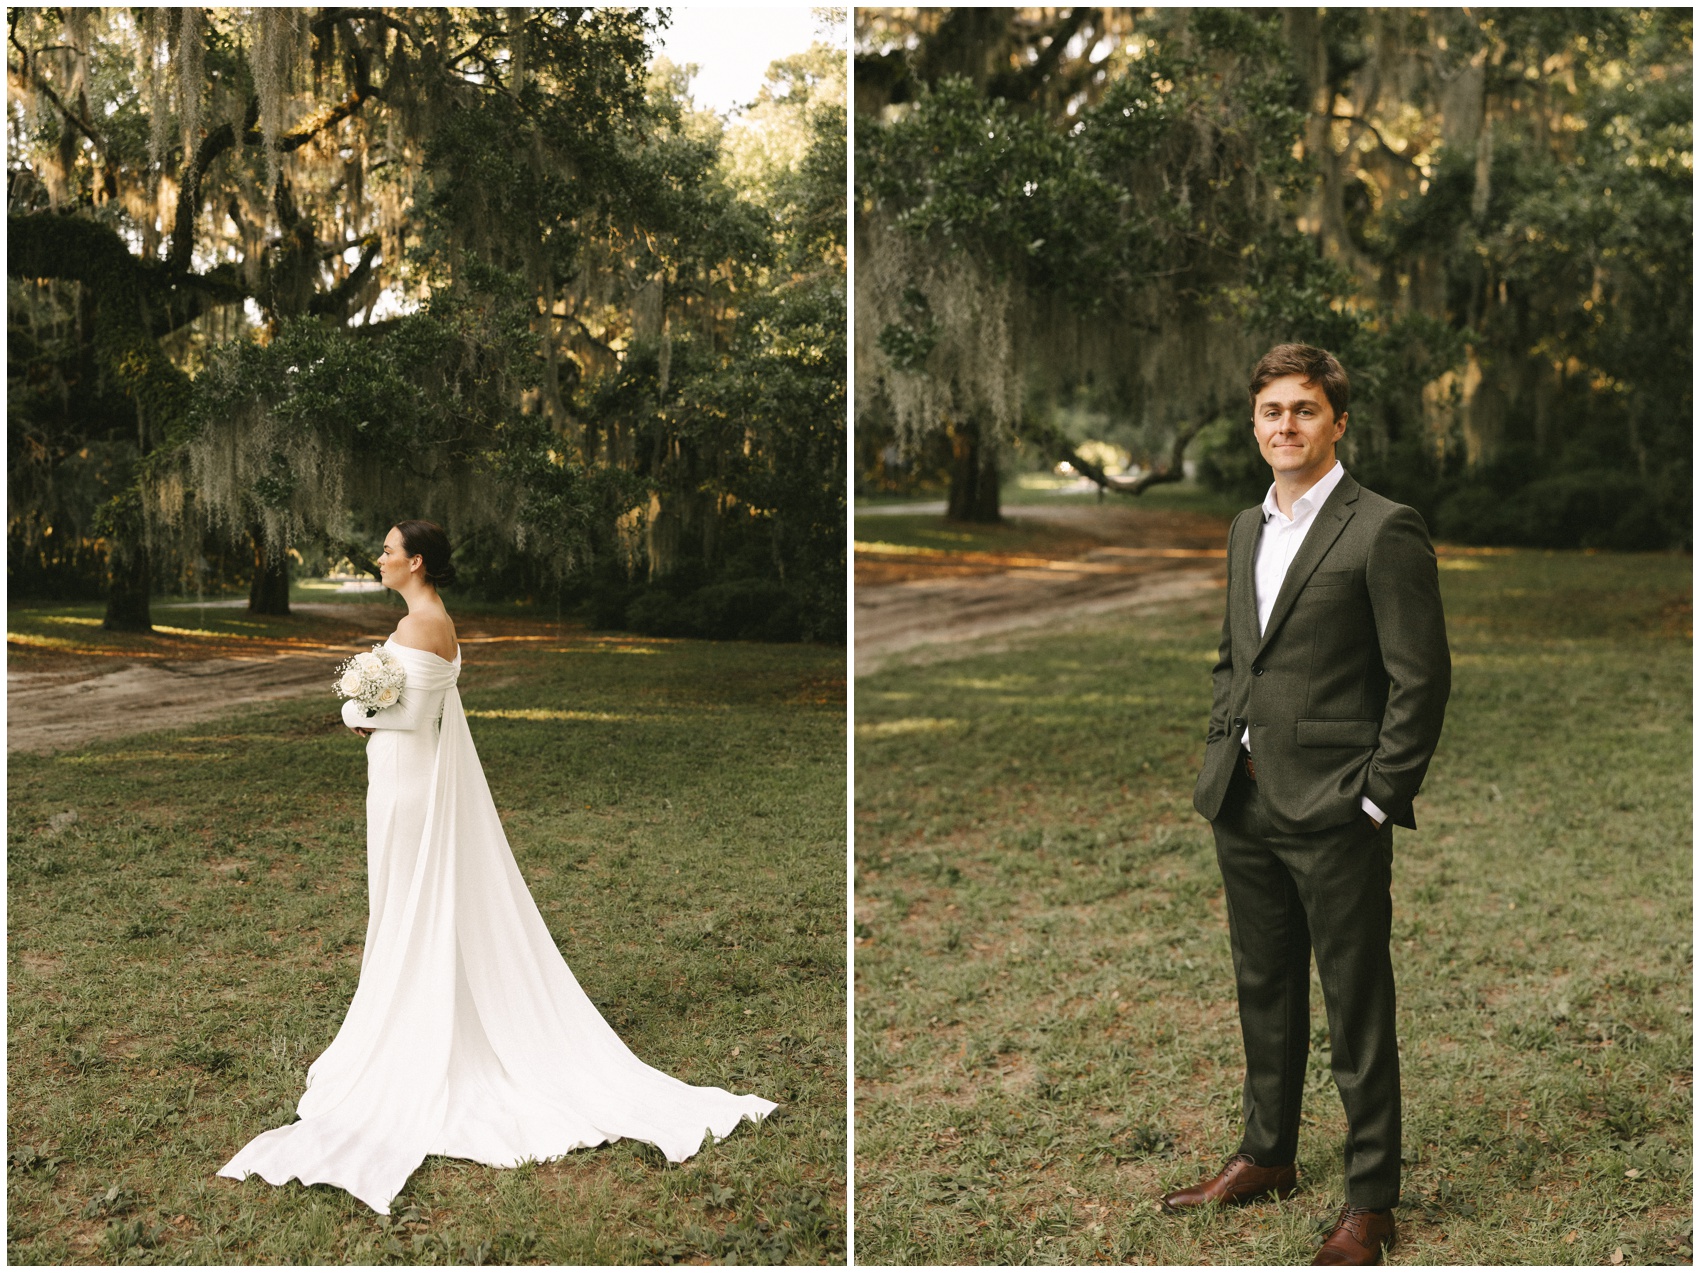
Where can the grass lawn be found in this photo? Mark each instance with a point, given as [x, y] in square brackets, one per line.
[185, 918]
[1046, 1030]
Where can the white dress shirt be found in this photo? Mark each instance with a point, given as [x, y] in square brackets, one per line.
[1280, 543]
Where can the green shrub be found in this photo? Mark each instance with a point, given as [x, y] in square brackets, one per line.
[734, 610]
[1615, 511]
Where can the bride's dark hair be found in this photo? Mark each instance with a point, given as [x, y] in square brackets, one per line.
[430, 541]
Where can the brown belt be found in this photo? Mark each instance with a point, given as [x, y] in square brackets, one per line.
[1250, 769]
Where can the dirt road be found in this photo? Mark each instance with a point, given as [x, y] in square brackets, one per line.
[908, 603]
[71, 700]
[907, 600]
[47, 712]
[78, 700]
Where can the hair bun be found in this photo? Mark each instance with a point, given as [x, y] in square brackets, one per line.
[445, 574]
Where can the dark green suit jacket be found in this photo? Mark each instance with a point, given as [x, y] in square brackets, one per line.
[1346, 689]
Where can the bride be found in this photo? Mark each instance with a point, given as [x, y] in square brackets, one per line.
[468, 1035]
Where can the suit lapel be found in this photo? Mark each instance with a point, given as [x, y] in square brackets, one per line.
[1331, 519]
[1244, 602]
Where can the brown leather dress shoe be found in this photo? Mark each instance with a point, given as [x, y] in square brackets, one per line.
[1359, 1237]
[1240, 1181]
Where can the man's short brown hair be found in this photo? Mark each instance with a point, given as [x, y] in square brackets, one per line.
[1316, 366]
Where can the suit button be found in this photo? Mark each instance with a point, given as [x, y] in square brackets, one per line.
[1257, 671]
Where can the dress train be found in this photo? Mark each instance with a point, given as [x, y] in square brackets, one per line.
[468, 1034]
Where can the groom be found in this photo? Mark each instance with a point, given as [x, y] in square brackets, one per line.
[1329, 693]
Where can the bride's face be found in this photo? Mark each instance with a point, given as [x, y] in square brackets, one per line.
[393, 562]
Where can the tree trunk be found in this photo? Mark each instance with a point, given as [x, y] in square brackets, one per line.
[973, 476]
[124, 347]
[269, 592]
[129, 582]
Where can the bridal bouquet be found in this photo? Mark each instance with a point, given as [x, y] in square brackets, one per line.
[374, 679]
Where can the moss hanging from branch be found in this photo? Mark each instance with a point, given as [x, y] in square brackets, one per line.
[269, 59]
[191, 74]
[156, 37]
[937, 333]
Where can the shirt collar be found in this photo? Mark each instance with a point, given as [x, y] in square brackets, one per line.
[1310, 501]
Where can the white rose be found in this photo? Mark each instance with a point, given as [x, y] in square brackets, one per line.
[387, 696]
[369, 663]
[350, 683]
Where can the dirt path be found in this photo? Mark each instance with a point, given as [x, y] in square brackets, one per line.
[45, 712]
[909, 600]
[76, 700]
[904, 602]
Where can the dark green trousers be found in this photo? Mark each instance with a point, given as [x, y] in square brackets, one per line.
[1288, 894]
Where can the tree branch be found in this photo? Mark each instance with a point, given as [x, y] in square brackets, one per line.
[332, 16]
[59, 246]
[455, 59]
[28, 73]
[356, 98]
[1025, 83]
[51, 245]
[585, 331]
[1053, 442]
[1175, 471]
[187, 296]
[336, 301]
[212, 146]
[362, 92]
[357, 555]
[1382, 141]
[223, 138]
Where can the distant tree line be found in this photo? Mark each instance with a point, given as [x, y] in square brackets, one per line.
[278, 278]
[1085, 224]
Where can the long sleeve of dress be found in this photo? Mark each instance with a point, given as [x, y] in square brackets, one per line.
[404, 715]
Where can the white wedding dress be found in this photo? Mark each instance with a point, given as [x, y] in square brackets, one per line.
[468, 1035]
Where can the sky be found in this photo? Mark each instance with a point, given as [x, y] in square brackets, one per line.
[733, 46]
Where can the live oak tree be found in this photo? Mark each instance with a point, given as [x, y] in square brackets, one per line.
[1487, 213]
[733, 403]
[1522, 179]
[455, 227]
[1060, 208]
[771, 408]
[149, 162]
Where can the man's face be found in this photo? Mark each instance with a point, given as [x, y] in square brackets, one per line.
[1296, 428]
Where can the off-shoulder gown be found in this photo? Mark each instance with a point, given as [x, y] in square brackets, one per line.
[468, 1034]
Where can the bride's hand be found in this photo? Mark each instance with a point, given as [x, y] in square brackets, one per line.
[364, 733]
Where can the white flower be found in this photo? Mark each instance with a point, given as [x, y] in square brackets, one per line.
[387, 696]
[369, 663]
[350, 683]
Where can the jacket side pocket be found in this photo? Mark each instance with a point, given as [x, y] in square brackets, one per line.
[1337, 733]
